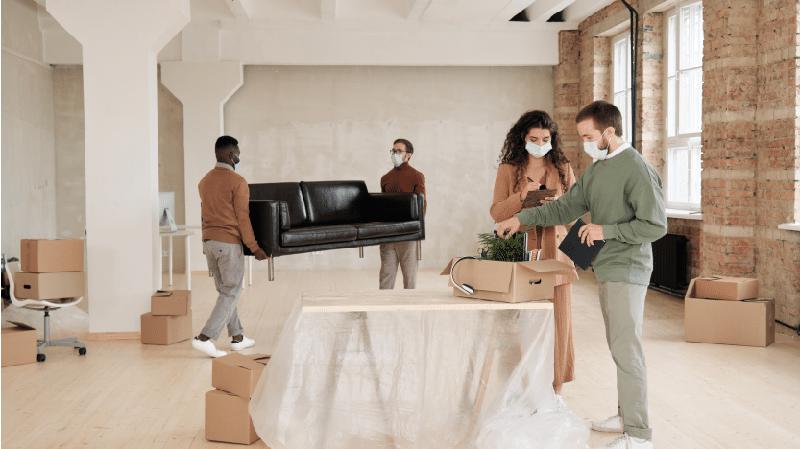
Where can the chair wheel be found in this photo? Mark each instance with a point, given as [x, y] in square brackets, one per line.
[40, 357]
[81, 351]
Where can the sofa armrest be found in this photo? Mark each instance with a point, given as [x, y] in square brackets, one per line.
[393, 207]
[268, 218]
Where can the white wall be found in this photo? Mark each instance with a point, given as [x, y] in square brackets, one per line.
[326, 123]
[28, 153]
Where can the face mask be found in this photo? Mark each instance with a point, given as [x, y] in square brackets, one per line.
[592, 149]
[538, 150]
[397, 160]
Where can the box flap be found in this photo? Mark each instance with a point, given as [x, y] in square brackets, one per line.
[162, 293]
[19, 325]
[249, 362]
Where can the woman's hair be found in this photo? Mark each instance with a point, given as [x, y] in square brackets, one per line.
[514, 151]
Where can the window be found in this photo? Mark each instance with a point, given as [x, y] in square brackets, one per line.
[622, 80]
[684, 82]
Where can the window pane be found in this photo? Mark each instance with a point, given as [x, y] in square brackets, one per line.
[628, 119]
[678, 172]
[690, 101]
[691, 36]
[671, 55]
[620, 65]
[671, 106]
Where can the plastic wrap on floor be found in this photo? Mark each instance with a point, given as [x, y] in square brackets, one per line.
[64, 322]
[467, 379]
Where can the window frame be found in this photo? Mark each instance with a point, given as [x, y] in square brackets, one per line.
[628, 107]
[673, 138]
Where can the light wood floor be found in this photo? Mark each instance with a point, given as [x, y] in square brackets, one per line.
[126, 395]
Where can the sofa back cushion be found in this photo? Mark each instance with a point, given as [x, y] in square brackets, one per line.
[289, 192]
[334, 202]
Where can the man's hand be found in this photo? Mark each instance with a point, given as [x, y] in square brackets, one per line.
[549, 199]
[589, 233]
[505, 229]
[260, 254]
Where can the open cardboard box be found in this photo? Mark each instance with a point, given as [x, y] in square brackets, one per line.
[173, 302]
[18, 344]
[509, 281]
[746, 323]
[238, 374]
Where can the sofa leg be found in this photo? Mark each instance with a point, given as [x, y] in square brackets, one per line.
[360, 252]
[419, 250]
[271, 268]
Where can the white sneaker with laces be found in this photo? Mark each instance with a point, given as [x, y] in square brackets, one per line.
[207, 347]
[244, 344]
[628, 442]
[609, 425]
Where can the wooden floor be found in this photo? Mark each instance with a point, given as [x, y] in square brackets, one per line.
[127, 395]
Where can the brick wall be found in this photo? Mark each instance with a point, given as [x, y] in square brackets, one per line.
[566, 76]
[751, 132]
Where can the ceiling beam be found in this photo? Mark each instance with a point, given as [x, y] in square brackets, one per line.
[542, 10]
[513, 8]
[581, 9]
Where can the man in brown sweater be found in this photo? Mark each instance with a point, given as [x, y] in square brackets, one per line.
[225, 209]
[402, 178]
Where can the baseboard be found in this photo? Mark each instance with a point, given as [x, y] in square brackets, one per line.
[109, 336]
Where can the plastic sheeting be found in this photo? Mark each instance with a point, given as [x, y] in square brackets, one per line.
[444, 378]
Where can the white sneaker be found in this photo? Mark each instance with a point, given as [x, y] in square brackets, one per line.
[609, 425]
[628, 442]
[244, 344]
[207, 347]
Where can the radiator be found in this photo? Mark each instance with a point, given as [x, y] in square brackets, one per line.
[671, 264]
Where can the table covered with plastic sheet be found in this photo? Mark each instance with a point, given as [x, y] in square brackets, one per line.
[414, 369]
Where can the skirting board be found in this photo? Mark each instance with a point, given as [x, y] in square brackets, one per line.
[108, 336]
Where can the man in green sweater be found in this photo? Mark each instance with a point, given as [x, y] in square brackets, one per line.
[623, 194]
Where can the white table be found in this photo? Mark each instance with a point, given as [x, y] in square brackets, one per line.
[186, 234]
[411, 369]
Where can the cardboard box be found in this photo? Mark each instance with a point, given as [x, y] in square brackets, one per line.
[176, 302]
[746, 323]
[51, 256]
[728, 288]
[509, 281]
[238, 374]
[18, 344]
[165, 330]
[228, 418]
[48, 285]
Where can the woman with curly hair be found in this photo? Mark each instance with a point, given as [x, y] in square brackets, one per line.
[532, 159]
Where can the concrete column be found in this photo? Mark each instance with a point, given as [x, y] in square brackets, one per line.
[203, 88]
[121, 39]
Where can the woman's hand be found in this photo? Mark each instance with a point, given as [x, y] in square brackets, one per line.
[530, 186]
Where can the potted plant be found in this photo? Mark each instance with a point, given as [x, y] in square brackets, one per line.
[493, 247]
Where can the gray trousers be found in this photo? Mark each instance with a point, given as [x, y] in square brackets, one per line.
[226, 264]
[404, 255]
[622, 305]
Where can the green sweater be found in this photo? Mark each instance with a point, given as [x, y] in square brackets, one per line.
[624, 195]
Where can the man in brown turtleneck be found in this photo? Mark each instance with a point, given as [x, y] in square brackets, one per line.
[403, 179]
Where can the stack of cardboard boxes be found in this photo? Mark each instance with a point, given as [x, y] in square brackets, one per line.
[728, 310]
[234, 378]
[170, 318]
[51, 269]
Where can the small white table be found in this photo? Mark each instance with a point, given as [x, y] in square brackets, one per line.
[186, 234]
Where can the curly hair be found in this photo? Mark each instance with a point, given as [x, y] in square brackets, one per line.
[514, 151]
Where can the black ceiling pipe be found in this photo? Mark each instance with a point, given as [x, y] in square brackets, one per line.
[634, 46]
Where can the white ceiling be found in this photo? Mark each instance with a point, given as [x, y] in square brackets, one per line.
[359, 32]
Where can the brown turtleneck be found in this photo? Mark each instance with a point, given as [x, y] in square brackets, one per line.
[404, 179]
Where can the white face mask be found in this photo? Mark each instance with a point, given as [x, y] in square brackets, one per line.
[397, 160]
[538, 151]
[592, 150]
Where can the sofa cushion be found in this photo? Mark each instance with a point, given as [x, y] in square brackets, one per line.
[289, 192]
[334, 202]
[316, 235]
[375, 230]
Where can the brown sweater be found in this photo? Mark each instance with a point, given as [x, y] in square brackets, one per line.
[225, 207]
[507, 203]
[404, 179]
